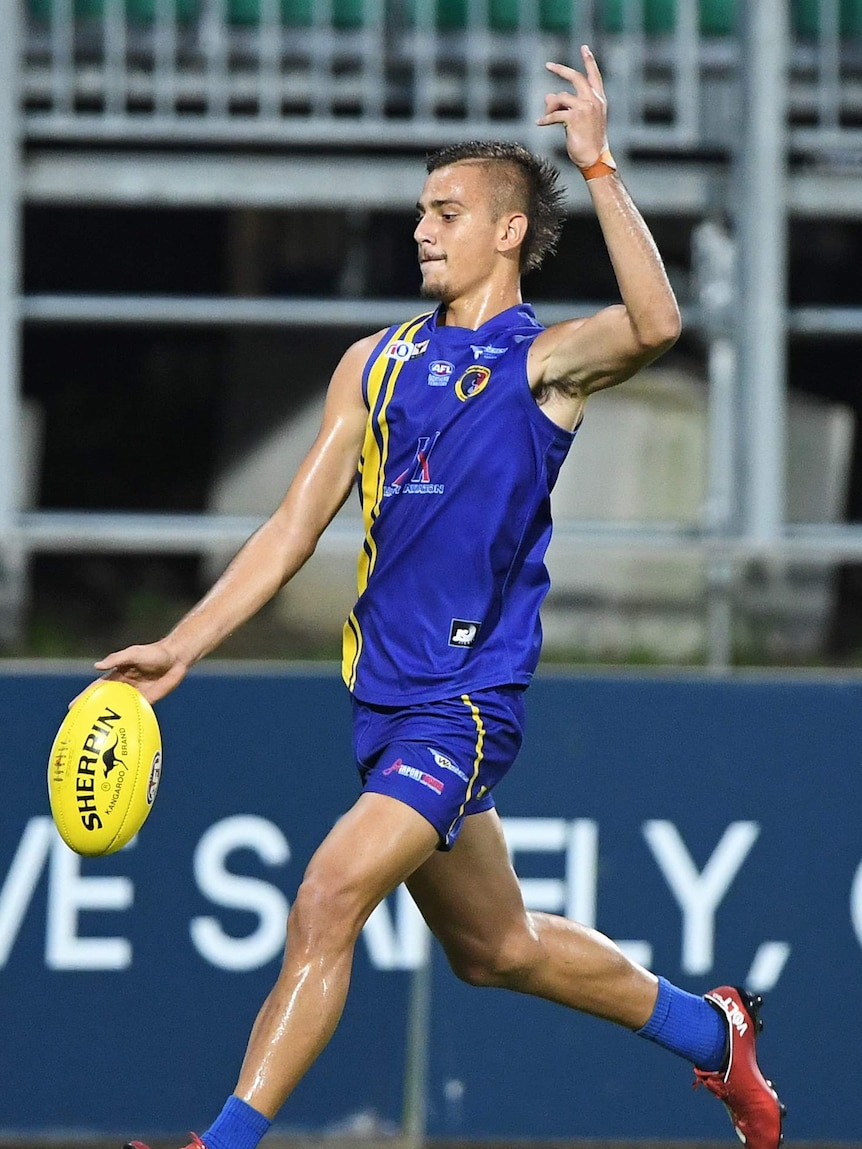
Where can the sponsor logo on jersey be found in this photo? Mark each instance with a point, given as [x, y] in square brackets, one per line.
[474, 380]
[401, 349]
[463, 632]
[399, 766]
[487, 352]
[439, 372]
[447, 764]
[416, 480]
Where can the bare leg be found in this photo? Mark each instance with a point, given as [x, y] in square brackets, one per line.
[472, 902]
[373, 848]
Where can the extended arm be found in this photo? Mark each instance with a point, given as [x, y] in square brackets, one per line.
[571, 360]
[274, 553]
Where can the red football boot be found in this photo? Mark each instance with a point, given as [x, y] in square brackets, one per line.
[751, 1100]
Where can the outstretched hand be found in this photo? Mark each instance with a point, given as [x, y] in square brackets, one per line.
[583, 111]
[153, 669]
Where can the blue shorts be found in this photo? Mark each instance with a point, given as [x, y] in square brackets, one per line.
[441, 758]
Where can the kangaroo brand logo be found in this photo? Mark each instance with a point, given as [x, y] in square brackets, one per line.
[110, 758]
[463, 632]
[474, 380]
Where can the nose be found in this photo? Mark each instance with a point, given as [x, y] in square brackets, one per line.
[423, 232]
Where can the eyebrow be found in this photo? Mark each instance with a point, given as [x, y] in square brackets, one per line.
[438, 203]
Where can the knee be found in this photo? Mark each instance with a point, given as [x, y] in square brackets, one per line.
[505, 963]
[325, 913]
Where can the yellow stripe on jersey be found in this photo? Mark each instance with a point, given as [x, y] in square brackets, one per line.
[382, 376]
[351, 647]
[480, 749]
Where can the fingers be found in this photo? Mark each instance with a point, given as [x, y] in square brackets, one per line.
[580, 82]
[572, 76]
[592, 69]
[134, 659]
[113, 661]
[557, 116]
[560, 102]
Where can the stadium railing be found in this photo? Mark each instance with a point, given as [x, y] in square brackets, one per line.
[407, 72]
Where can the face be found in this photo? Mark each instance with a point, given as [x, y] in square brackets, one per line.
[455, 234]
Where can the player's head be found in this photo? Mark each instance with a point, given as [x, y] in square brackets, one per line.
[482, 200]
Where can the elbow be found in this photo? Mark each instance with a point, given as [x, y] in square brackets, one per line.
[662, 332]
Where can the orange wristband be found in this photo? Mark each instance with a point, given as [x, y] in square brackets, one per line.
[603, 166]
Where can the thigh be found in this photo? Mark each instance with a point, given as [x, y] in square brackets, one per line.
[367, 853]
[470, 897]
[441, 758]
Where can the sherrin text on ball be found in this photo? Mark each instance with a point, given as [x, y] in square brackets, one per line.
[104, 769]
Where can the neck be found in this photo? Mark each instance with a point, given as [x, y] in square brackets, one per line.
[474, 308]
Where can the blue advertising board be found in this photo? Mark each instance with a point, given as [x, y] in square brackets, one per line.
[708, 826]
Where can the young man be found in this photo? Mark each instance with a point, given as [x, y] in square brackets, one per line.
[457, 422]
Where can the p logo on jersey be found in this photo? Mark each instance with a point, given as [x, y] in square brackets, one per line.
[463, 632]
[474, 380]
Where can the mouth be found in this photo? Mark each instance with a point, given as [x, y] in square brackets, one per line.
[431, 259]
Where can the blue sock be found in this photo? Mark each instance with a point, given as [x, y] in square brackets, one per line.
[238, 1126]
[687, 1025]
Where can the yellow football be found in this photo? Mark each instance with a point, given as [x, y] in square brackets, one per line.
[104, 769]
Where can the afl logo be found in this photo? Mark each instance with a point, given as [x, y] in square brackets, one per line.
[474, 380]
[439, 372]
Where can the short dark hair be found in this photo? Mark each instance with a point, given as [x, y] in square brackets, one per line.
[529, 183]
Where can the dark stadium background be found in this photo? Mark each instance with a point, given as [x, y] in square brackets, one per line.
[135, 415]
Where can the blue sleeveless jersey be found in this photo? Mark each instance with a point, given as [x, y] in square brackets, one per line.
[455, 477]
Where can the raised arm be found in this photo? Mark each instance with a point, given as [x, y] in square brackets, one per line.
[274, 553]
[571, 360]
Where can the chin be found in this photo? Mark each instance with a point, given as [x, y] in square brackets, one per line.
[436, 291]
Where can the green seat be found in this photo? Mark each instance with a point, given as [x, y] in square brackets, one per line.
[296, 13]
[300, 13]
[137, 11]
[851, 19]
[144, 11]
[719, 17]
[451, 14]
[350, 13]
[554, 15]
[716, 17]
[806, 18]
[503, 15]
[659, 16]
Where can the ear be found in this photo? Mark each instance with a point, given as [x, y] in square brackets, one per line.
[512, 231]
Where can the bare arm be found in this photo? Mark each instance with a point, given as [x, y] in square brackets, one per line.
[274, 553]
[571, 360]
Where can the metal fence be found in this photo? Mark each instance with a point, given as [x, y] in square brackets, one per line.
[749, 85]
[396, 72]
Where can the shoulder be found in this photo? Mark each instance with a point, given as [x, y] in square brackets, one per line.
[360, 351]
[345, 386]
